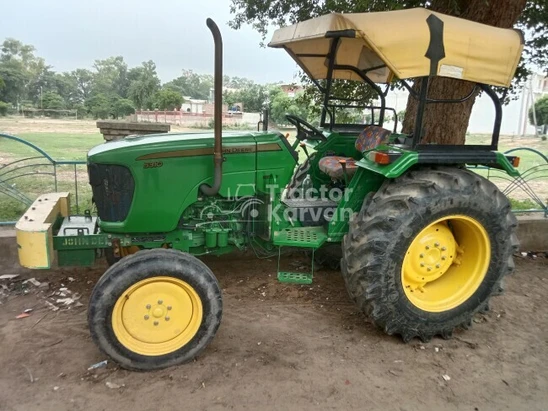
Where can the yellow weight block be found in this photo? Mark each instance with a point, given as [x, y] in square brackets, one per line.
[34, 230]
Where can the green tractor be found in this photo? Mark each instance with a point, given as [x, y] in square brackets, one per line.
[423, 243]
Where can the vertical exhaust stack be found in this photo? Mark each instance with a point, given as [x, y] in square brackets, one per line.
[206, 189]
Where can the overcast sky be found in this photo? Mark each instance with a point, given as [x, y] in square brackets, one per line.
[71, 34]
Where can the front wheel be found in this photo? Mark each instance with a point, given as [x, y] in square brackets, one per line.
[155, 309]
[429, 251]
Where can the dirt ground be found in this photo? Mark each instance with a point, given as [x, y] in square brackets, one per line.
[282, 347]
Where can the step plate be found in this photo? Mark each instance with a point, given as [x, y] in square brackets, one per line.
[294, 278]
[307, 237]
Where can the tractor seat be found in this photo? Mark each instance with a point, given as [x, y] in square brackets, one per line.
[369, 138]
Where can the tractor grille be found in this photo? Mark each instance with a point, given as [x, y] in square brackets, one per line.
[113, 187]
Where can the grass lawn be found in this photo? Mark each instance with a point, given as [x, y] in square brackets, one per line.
[59, 146]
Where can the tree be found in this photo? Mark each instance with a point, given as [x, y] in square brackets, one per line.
[99, 106]
[4, 108]
[253, 96]
[168, 99]
[541, 114]
[191, 84]
[22, 71]
[110, 77]
[143, 84]
[52, 101]
[444, 123]
[84, 83]
[281, 104]
[121, 107]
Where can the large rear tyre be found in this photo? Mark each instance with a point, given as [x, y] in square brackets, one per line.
[428, 251]
[155, 309]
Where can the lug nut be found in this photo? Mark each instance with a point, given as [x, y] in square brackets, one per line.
[443, 258]
[422, 264]
[156, 323]
[437, 266]
[169, 307]
[427, 247]
[146, 317]
[428, 269]
[421, 256]
[148, 306]
[160, 302]
[443, 248]
[437, 244]
[167, 318]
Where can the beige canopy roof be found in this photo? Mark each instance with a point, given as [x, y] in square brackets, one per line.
[400, 40]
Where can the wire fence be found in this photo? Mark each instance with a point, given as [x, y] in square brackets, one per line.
[24, 178]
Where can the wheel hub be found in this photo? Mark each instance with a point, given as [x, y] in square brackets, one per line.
[157, 315]
[430, 255]
[446, 263]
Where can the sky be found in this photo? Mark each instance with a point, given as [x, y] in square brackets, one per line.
[71, 34]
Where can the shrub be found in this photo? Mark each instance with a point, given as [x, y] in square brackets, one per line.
[4, 107]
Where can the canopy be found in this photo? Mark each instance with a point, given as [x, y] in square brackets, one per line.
[409, 43]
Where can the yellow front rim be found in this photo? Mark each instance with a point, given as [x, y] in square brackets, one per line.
[157, 316]
[446, 263]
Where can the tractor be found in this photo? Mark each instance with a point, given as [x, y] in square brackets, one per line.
[422, 241]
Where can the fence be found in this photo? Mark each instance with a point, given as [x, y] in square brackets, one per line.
[23, 179]
[189, 119]
[528, 193]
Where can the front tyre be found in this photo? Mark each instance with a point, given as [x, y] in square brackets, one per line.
[429, 251]
[155, 309]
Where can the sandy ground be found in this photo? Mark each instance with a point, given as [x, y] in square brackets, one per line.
[18, 125]
[283, 347]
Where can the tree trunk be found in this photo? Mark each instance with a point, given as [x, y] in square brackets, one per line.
[447, 123]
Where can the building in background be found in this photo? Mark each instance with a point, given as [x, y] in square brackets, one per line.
[291, 89]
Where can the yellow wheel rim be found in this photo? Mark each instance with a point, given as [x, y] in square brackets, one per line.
[446, 263]
[157, 316]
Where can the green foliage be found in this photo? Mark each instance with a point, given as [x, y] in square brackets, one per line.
[281, 104]
[103, 106]
[4, 107]
[191, 84]
[52, 101]
[121, 107]
[262, 15]
[143, 84]
[523, 204]
[98, 106]
[111, 77]
[252, 96]
[168, 99]
[541, 112]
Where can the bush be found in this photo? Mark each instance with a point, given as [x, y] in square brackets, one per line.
[4, 107]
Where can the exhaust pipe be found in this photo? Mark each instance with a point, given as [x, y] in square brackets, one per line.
[206, 189]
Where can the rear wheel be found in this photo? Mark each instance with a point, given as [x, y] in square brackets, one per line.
[429, 251]
[155, 309]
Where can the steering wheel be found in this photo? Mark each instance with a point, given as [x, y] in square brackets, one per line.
[305, 130]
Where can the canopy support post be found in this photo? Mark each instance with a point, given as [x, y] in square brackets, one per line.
[329, 80]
